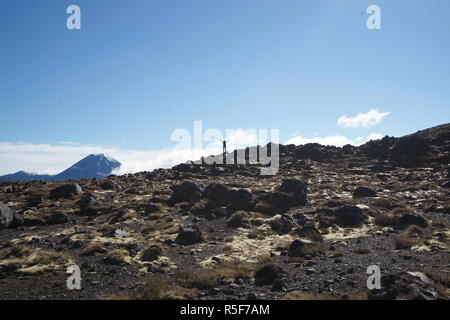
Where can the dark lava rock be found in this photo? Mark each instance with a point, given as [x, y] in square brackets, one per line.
[87, 200]
[17, 221]
[58, 218]
[108, 184]
[35, 201]
[363, 192]
[7, 269]
[77, 244]
[208, 209]
[349, 149]
[310, 271]
[184, 167]
[152, 253]
[66, 191]
[241, 199]
[189, 191]
[410, 151]
[300, 218]
[33, 221]
[189, 234]
[406, 286]
[252, 296]
[316, 152]
[132, 191]
[6, 216]
[309, 231]
[151, 208]
[349, 216]
[215, 171]
[282, 225]
[278, 285]
[311, 263]
[240, 219]
[300, 248]
[408, 219]
[218, 193]
[267, 275]
[298, 187]
[279, 202]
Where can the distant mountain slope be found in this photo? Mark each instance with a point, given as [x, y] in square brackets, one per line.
[93, 166]
[23, 176]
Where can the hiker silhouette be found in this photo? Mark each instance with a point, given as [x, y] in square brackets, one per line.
[224, 142]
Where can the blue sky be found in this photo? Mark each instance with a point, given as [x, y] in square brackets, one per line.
[138, 70]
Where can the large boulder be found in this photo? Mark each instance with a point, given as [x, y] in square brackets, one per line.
[316, 152]
[151, 208]
[364, 192]
[282, 225]
[189, 191]
[309, 231]
[189, 234]
[279, 202]
[58, 218]
[6, 216]
[297, 187]
[300, 218]
[208, 209]
[241, 199]
[240, 219]
[349, 216]
[300, 248]
[408, 219]
[406, 286]
[377, 149]
[66, 191]
[267, 275]
[184, 167]
[410, 151]
[108, 184]
[218, 193]
[18, 221]
[152, 253]
[87, 200]
[348, 149]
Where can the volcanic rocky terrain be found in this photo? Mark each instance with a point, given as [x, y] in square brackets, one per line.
[200, 231]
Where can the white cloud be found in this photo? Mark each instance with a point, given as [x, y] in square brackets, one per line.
[375, 136]
[338, 140]
[365, 120]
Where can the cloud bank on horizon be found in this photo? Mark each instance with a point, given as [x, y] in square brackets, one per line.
[336, 140]
[363, 120]
[54, 158]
